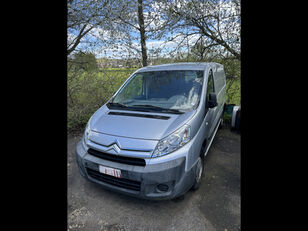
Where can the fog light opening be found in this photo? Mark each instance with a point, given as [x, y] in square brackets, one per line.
[163, 187]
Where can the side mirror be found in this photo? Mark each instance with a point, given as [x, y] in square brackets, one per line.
[212, 100]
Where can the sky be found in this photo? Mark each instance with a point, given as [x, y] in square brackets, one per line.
[102, 51]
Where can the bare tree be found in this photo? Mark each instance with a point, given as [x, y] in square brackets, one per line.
[82, 17]
[217, 22]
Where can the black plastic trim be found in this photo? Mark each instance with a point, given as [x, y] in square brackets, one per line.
[115, 158]
[139, 115]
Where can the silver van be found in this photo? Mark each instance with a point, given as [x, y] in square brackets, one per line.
[150, 139]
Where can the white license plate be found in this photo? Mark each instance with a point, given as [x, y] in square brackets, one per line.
[110, 171]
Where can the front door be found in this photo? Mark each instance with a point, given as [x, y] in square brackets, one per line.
[211, 112]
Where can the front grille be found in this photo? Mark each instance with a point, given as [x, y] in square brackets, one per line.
[115, 158]
[120, 182]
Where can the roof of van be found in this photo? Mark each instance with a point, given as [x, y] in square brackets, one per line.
[177, 66]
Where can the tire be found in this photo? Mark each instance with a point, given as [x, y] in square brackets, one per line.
[198, 172]
[237, 121]
[234, 115]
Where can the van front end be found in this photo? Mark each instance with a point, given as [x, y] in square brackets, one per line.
[164, 177]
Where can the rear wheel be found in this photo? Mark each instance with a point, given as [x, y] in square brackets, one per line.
[199, 172]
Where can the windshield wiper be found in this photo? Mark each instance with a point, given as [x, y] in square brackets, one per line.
[156, 108]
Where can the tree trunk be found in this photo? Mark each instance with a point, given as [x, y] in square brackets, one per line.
[142, 34]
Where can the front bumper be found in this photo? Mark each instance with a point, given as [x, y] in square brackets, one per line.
[138, 181]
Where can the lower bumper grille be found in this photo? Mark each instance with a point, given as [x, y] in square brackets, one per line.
[120, 182]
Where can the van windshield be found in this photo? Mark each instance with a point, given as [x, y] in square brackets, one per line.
[174, 91]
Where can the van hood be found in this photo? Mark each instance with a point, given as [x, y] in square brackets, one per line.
[136, 124]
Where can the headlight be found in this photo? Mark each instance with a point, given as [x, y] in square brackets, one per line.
[87, 131]
[172, 142]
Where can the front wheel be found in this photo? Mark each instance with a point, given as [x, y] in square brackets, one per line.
[199, 172]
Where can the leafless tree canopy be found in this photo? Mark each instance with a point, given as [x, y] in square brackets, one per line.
[201, 27]
[212, 25]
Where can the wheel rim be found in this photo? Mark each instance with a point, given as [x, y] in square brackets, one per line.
[199, 170]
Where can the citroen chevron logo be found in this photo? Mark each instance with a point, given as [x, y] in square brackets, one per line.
[115, 147]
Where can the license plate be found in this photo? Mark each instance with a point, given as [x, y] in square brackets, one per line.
[110, 171]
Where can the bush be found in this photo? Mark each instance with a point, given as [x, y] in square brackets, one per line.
[227, 118]
[233, 74]
[88, 91]
[83, 61]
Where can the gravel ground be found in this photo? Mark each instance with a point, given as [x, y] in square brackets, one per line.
[214, 206]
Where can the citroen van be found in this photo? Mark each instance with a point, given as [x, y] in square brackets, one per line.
[150, 139]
